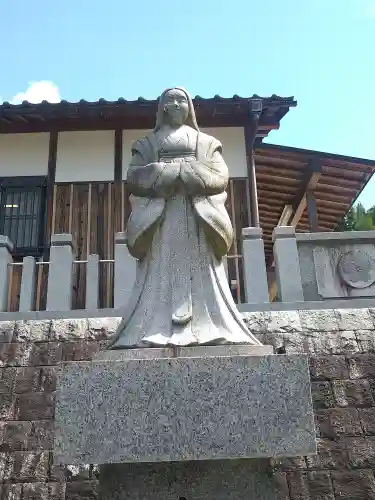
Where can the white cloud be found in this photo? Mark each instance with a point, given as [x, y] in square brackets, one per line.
[38, 92]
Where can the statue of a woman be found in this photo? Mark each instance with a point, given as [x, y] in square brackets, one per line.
[179, 230]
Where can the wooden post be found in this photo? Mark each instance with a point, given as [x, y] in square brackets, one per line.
[118, 212]
[50, 192]
[250, 135]
[311, 179]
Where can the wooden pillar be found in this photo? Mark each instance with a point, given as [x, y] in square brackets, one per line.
[50, 203]
[309, 183]
[250, 135]
[312, 212]
[118, 199]
[118, 156]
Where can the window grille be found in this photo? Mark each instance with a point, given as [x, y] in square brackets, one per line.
[22, 213]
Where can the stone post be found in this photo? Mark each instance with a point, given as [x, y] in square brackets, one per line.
[125, 271]
[6, 247]
[288, 273]
[27, 295]
[60, 276]
[254, 264]
[92, 282]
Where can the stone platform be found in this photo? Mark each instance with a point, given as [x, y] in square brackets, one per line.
[199, 403]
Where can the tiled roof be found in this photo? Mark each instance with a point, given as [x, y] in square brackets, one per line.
[139, 113]
[289, 101]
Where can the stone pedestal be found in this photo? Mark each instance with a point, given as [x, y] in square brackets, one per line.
[192, 412]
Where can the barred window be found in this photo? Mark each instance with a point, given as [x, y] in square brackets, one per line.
[22, 213]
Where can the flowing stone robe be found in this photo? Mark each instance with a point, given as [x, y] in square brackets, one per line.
[179, 230]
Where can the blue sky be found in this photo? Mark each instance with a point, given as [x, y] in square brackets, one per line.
[320, 51]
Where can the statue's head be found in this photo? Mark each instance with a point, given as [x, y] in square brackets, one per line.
[176, 108]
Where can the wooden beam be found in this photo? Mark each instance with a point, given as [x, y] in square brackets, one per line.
[272, 291]
[51, 176]
[313, 175]
[285, 216]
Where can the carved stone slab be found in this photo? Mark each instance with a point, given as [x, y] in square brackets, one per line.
[345, 271]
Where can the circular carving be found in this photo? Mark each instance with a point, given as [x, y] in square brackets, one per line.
[357, 269]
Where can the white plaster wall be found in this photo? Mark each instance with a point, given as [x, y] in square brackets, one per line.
[234, 152]
[232, 139]
[85, 156]
[128, 137]
[23, 154]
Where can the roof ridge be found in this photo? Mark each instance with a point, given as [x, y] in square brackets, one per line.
[290, 101]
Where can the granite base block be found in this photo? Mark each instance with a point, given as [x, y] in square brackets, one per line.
[202, 480]
[185, 352]
[222, 406]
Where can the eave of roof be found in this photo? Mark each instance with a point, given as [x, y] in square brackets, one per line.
[138, 114]
[334, 157]
[281, 173]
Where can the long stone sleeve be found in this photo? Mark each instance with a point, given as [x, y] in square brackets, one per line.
[155, 180]
[205, 177]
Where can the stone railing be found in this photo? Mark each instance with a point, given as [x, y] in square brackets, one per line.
[309, 268]
[65, 282]
[56, 276]
[324, 266]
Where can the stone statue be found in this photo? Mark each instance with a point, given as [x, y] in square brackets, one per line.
[179, 231]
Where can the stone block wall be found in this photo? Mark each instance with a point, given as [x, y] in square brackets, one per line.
[341, 345]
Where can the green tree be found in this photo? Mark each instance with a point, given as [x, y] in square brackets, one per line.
[348, 222]
[359, 219]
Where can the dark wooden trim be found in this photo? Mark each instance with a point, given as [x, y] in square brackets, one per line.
[118, 156]
[118, 202]
[131, 122]
[24, 181]
[51, 176]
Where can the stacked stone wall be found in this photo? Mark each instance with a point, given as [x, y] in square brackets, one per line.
[341, 346]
